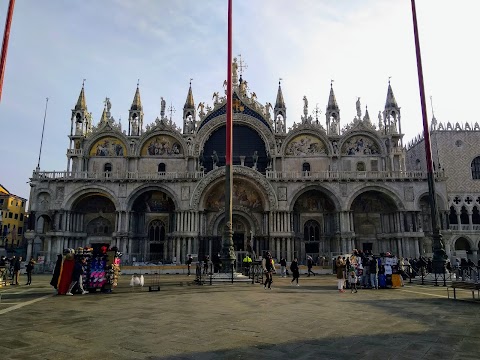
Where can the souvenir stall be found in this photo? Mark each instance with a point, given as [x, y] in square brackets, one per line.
[101, 270]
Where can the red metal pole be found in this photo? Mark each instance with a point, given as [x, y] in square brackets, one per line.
[228, 150]
[6, 36]
[438, 248]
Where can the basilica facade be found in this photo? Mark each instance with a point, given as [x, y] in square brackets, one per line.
[156, 191]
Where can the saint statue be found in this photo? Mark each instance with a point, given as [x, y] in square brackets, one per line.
[359, 110]
[162, 107]
[305, 105]
[255, 158]
[215, 157]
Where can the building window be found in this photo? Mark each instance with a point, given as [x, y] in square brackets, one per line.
[311, 231]
[161, 167]
[107, 167]
[16, 217]
[306, 167]
[1, 201]
[476, 168]
[156, 231]
[10, 215]
[21, 217]
[452, 217]
[20, 230]
[360, 166]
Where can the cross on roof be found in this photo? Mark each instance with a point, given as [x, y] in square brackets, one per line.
[316, 112]
[171, 109]
[241, 64]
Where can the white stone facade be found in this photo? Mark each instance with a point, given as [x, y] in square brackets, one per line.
[157, 192]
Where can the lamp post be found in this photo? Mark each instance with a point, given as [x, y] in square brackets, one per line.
[439, 255]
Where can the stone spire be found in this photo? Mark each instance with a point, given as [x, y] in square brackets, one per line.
[81, 102]
[136, 103]
[332, 114]
[189, 112]
[104, 117]
[280, 112]
[390, 102]
[391, 113]
[367, 115]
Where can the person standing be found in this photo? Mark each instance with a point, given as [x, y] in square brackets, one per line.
[189, 263]
[295, 271]
[29, 269]
[340, 273]
[206, 262]
[16, 270]
[268, 269]
[352, 279]
[77, 277]
[283, 267]
[373, 265]
[310, 265]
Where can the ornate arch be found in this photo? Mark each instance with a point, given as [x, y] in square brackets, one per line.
[148, 187]
[470, 241]
[382, 150]
[307, 129]
[161, 132]
[439, 197]
[387, 192]
[319, 188]
[248, 173]
[238, 119]
[90, 143]
[90, 189]
[236, 210]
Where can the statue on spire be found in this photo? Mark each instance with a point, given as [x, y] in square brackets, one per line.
[359, 109]
[234, 71]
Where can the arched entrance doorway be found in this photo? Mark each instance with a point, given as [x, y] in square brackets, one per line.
[374, 214]
[314, 224]
[462, 248]
[97, 218]
[153, 218]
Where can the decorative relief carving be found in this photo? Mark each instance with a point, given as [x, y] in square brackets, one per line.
[185, 192]
[409, 195]
[360, 145]
[282, 194]
[305, 145]
[162, 145]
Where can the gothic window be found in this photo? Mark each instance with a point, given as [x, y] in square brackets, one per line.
[475, 216]
[464, 216]
[99, 226]
[161, 167]
[306, 166]
[107, 167]
[156, 231]
[374, 164]
[476, 168]
[311, 231]
[452, 217]
[360, 166]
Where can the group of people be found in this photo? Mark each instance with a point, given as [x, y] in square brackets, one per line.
[10, 268]
[370, 272]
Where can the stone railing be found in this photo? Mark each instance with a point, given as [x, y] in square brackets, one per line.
[464, 227]
[350, 175]
[78, 152]
[107, 175]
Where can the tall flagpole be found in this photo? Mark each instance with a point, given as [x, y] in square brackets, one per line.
[439, 255]
[6, 36]
[41, 140]
[228, 249]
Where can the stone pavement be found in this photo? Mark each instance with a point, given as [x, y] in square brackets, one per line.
[240, 321]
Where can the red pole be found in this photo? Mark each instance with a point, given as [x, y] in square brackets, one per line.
[228, 150]
[6, 35]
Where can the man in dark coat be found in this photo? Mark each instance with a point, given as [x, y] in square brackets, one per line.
[56, 272]
[77, 277]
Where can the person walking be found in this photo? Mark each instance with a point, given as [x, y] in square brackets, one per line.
[340, 273]
[295, 271]
[29, 269]
[310, 265]
[77, 277]
[373, 265]
[268, 269]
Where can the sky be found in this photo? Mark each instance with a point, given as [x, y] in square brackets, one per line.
[112, 44]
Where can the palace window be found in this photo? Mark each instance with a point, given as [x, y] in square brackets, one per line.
[311, 231]
[476, 168]
[107, 167]
[360, 166]
[306, 166]
[161, 167]
[452, 217]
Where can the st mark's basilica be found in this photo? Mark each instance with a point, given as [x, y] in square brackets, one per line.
[320, 187]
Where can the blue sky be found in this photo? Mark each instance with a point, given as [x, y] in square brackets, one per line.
[55, 44]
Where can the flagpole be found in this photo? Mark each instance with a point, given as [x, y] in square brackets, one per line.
[6, 36]
[228, 248]
[41, 140]
[439, 255]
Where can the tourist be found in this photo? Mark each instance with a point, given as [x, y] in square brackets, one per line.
[283, 267]
[77, 277]
[268, 269]
[16, 270]
[373, 267]
[205, 264]
[352, 279]
[340, 273]
[189, 263]
[295, 271]
[310, 265]
[29, 269]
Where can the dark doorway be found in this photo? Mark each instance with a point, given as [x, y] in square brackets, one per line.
[238, 241]
[311, 248]
[367, 247]
[156, 252]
